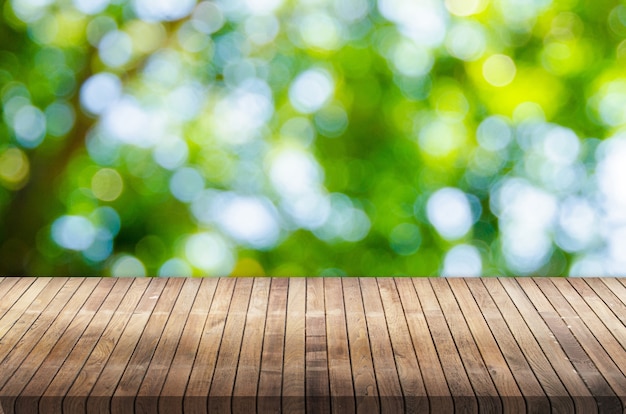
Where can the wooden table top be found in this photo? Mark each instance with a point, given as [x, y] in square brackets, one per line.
[317, 345]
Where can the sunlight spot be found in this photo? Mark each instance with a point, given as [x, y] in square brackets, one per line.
[311, 90]
[14, 168]
[294, 172]
[319, 30]
[115, 48]
[466, 41]
[209, 252]
[73, 232]
[448, 210]
[439, 137]
[207, 17]
[107, 184]
[249, 220]
[186, 184]
[465, 7]
[127, 266]
[175, 268]
[100, 91]
[561, 145]
[462, 260]
[29, 125]
[156, 10]
[494, 133]
[499, 70]
[412, 59]
[91, 6]
[171, 152]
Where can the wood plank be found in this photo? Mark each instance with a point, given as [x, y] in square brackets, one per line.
[389, 388]
[294, 363]
[618, 307]
[33, 324]
[74, 345]
[221, 391]
[488, 398]
[125, 368]
[113, 391]
[28, 400]
[27, 356]
[617, 289]
[564, 355]
[363, 377]
[540, 367]
[249, 366]
[591, 333]
[606, 316]
[271, 375]
[113, 308]
[21, 287]
[317, 381]
[31, 296]
[147, 394]
[7, 284]
[439, 397]
[339, 370]
[460, 387]
[130, 379]
[409, 371]
[96, 382]
[196, 394]
[171, 396]
[503, 358]
[600, 389]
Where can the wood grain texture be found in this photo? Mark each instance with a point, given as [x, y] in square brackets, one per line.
[488, 398]
[559, 349]
[316, 361]
[437, 389]
[249, 366]
[36, 344]
[341, 345]
[585, 330]
[147, 394]
[221, 391]
[497, 334]
[171, 398]
[15, 319]
[339, 369]
[17, 355]
[409, 371]
[118, 303]
[460, 386]
[389, 388]
[130, 380]
[96, 382]
[7, 283]
[559, 399]
[125, 365]
[20, 288]
[28, 400]
[363, 378]
[271, 375]
[196, 393]
[293, 386]
[490, 351]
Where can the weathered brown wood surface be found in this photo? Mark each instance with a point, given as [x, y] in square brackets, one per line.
[316, 345]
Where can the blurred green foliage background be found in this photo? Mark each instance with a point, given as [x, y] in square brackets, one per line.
[313, 137]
